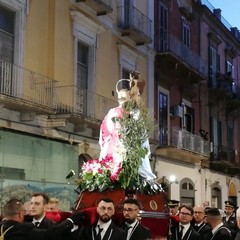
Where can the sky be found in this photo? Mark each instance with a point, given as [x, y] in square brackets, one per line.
[230, 10]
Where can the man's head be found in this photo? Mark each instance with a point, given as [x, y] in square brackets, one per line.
[131, 210]
[105, 209]
[53, 205]
[39, 203]
[173, 207]
[229, 208]
[27, 206]
[14, 210]
[213, 217]
[199, 214]
[185, 214]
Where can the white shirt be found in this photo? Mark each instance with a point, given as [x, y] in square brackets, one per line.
[39, 220]
[131, 229]
[217, 227]
[104, 226]
[185, 229]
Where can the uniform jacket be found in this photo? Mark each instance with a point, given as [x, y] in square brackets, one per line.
[222, 233]
[45, 223]
[231, 224]
[13, 230]
[140, 233]
[205, 231]
[191, 234]
[113, 233]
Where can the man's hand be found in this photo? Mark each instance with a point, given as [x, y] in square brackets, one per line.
[79, 217]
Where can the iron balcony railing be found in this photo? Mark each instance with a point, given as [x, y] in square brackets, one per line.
[183, 139]
[224, 83]
[75, 100]
[26, 85]
[223, 153]
[167, 43]
[129, 17]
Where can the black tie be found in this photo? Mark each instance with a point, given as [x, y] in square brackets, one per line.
[128, 227]
[98, 236]
[180, 232]
[36, 224]
[196, 227]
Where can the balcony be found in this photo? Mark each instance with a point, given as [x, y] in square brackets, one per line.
[225, 160]
[83, 106]
[185, 146]
[101, 7]
[134, 24]
[174, 55]
[223, 87]
[25, 91]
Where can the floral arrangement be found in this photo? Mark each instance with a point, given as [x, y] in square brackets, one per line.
[135, 124]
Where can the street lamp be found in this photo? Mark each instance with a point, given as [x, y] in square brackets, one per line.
[172, 179]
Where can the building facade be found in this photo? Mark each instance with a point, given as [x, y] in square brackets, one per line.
[197, 93]
[60, 62]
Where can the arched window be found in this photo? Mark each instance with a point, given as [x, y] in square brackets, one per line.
[187, 192]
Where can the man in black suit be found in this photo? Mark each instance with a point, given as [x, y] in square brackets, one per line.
[12, 226]
[183, 230]
[39, 202]
[104, 228]
[134, 230]
[200, 224]
[219, 231]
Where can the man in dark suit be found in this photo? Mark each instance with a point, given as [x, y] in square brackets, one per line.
[199, 223]
[104, 228]
[39, 202]
[134, 230]
[183, 230]
[219, 231]
[12, 226]
[230, 220]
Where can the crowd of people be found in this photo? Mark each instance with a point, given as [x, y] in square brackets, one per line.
[30, 221]
[204, 223]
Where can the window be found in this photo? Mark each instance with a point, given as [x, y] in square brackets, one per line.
[186, 34]
[163, 20]
[12, 30]
[85, 33]
[214, 67]
[163, 119]
[128, 60]
[230, 69]
[230, 133]
[82, 66]
[7, 18]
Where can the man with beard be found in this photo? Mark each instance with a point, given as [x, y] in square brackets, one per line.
[104, 228]
[39, 202]
[133, 229]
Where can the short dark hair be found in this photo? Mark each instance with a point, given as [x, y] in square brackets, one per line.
[44, 195]
[132, 201]
[12, 207]
[213, 212]
[107, 200]
[187, 207]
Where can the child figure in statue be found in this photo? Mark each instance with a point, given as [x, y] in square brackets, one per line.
[110, 131]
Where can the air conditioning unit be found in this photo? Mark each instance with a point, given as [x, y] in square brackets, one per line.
[177, 111]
